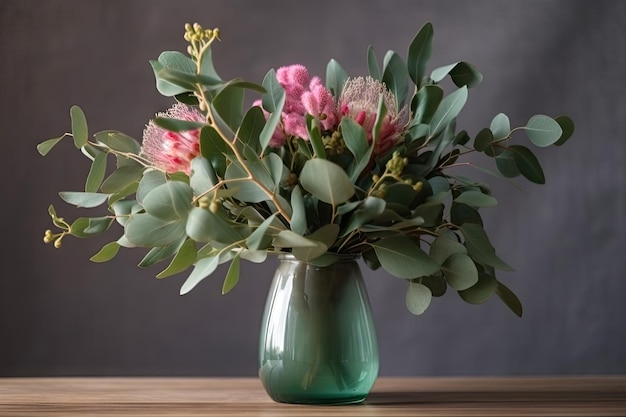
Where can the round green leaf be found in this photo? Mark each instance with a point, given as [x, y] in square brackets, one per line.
[483, 139]
[481, 291]
[143, 229]
[443, 247]
[460, 271]
[436, 284]
[418, 298]
[118, 141]
[543, 130]
[169, 201]
[206, 226]
[500, 126]
[403, 258]
[567, 125]
[327, 181]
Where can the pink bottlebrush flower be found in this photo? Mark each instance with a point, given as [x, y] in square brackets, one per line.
[173, 151]
[359, 100]
[303, 95]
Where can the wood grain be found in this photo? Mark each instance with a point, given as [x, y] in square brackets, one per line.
[106, 396]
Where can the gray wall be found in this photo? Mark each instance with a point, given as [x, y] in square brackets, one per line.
[62, 315]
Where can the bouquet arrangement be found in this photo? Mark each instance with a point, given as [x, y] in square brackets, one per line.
[350, 165]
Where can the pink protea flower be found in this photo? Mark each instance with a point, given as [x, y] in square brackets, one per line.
[359, 100]
[303, 95]
[173, 151]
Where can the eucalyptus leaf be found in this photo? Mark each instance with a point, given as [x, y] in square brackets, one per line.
[232, 276]
[476, 199]
[528, 164]
[121, 178]
[169, 201]
[298, 220]
[509, 298]
[367, 211]
[106, 253]
[203, 177]
[96, 173]
[79, 127]
[481, 291]
[403, 258]
[443, 247]
[202, 269]
[462, 213]
[543, 130]
[90, 226]
[214, 148]
[273, 101]
[460, 271]
[372, 63]
[336, 77]
[143, 229]
[250, 132]
[500, 126]
[260, 239]
[419, 53]
[428, 99]
[149, 181]
[206, 226]
[327, 181]
[177, 125]
[418, 298]
[118, 141]
[448, 110]
[315, 136]
[46, 146]
[159, 253]
[506, 164]
[479, 247]
[567, 126]
[228, 104]
[396, 77]
[83, 199]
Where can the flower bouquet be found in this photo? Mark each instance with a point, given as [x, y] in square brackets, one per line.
[353, 165]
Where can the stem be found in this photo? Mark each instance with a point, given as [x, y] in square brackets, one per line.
[232, 145]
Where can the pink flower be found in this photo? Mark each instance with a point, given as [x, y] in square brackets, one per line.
[303, 95]
[359, 100]
[173, 151]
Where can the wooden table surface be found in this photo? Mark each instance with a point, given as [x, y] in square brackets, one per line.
[478, 396]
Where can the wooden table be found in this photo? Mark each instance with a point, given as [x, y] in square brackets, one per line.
[105, 396]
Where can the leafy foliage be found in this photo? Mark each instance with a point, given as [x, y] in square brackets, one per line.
[320, 194]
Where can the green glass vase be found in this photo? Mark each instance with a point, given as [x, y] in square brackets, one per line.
[318, 341]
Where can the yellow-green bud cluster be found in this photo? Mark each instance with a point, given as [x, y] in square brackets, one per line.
[334, 144]
[55, 239]
[396, 164]
[196, 33]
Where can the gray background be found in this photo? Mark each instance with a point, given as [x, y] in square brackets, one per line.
[63, 315]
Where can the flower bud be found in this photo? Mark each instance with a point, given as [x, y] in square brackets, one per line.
[57, 243]
[214, 206]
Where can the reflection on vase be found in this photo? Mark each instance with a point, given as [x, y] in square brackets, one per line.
[318, 342]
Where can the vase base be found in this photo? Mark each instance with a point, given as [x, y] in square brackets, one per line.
[315, 400]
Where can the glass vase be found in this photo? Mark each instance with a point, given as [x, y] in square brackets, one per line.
[318, 341]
